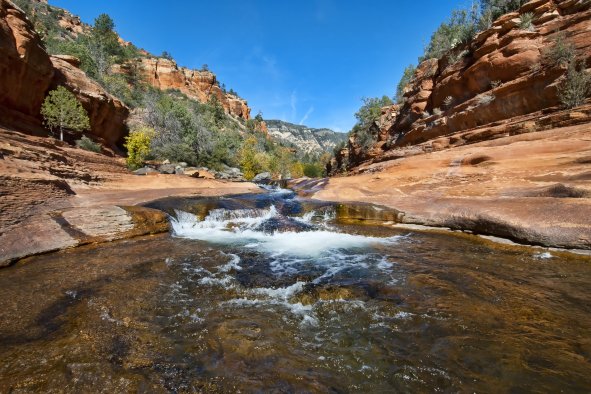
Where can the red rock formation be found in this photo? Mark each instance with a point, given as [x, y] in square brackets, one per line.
[107, 114]
[25, 68]
[198, 85]
[501, 74]
[27, 73]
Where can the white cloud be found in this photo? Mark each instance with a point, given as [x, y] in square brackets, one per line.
[310, 110]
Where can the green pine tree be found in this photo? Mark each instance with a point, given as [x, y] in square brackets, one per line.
[61, 110]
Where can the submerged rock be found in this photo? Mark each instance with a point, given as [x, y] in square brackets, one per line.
[283, 224]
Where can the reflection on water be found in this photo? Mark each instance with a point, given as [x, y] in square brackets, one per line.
[278, 296]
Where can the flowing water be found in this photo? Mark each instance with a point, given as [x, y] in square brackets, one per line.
[269, 293]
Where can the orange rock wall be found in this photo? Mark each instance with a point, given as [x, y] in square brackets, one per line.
[199, 85]
[27, 73]
[503, 75]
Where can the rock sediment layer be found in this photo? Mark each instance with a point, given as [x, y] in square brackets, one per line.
[500, 75]
[198, 85]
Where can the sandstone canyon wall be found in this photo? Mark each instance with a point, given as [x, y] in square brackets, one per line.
[27, 73]
[198, 85]
[500, 76]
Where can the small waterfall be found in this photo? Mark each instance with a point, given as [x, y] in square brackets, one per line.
[270, 231]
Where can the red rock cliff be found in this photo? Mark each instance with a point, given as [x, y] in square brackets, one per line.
[199, 85]
[500, 75]
[27, 73]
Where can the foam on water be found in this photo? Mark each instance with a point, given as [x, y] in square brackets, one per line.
[318, 250]
[237, 227]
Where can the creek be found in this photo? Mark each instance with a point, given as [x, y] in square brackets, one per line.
[270, 292]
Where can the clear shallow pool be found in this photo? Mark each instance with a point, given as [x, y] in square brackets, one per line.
[267, 293]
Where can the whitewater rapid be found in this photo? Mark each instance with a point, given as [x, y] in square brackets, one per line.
[240, 227]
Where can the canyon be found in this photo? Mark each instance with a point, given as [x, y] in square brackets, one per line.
[309, 140]
[448, 250]
[502, 159]
[481, 141]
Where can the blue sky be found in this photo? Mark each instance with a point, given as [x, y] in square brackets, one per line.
[302, 61]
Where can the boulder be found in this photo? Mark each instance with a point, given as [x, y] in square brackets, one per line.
[263, 177]
[230, 173]
[204, 174]
[167, 169]
[145, 171]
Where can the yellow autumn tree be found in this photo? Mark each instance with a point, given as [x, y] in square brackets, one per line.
[138, 146]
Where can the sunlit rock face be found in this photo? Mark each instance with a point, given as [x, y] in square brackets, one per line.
[198, 85]
[499, 76]
[25, 68]
[27, 73]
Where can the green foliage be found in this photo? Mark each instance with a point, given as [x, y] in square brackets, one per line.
[561, 53]
[576, 86]
[185, 130]
[338, 148]
[371, 110]
[259, 154]
[463, 25]
[119, 87]
[296, 170]
[104, 36]
[407, 76]
[88, 144]
[138, 146]
[251, 125]
[254, 125]
[456, 56]
[459, 29]
[43, 17]
[166, 55]
[97, 52]
[526, 21]
[216, 109]
[62, 110]
[314, 170]
[364, 137]
[367, 116]
[248, 160]
[492, 9]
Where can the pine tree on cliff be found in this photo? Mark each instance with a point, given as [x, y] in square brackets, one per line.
[61, 110]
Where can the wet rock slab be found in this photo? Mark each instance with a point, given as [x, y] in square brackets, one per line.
[78, 226]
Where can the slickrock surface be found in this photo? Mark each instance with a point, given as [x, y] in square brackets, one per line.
[54, 196]
[533, 188]
[481, 141]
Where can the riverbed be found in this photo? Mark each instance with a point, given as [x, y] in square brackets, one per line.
[269, 292]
